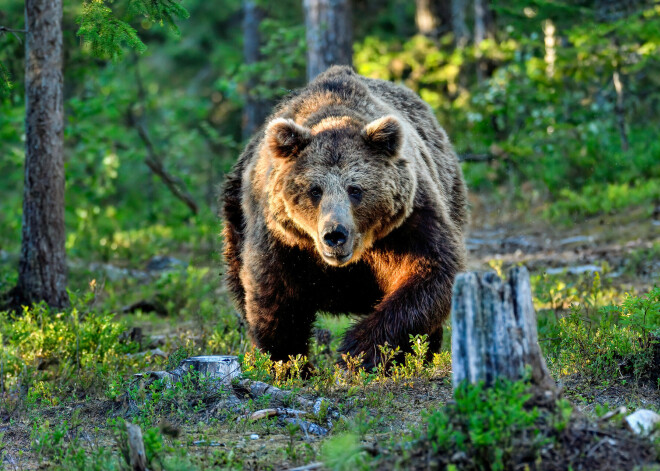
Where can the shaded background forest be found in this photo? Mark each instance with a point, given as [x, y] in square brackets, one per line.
[551, 104]
[557, 101]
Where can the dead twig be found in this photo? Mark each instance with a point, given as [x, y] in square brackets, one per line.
[476, 157]
[174, 184]
[153, 161]
[5, 30]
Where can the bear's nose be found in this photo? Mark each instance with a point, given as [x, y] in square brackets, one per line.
[336, 236]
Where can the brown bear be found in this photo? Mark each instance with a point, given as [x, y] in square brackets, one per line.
[349, 200]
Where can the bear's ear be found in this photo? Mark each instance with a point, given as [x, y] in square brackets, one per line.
[285, 139]
[384, 135]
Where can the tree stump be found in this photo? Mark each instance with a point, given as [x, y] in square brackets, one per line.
[221, 367]
[494, 330]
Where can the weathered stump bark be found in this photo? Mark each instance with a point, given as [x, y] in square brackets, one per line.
[221, 367]
[494, 330]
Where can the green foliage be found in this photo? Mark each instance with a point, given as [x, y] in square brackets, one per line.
[486, 423]
[597, 199]
[552, 127]
[608, 343]
[5, 81]
[60, 447]
[55, 353]
[163, 12]
[642, 314]
[105, 34]
[344, 453]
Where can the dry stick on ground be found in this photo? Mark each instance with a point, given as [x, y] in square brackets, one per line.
[153, 161]
[494, 331]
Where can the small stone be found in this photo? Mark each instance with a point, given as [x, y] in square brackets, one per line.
[254, 436]
[643, 421]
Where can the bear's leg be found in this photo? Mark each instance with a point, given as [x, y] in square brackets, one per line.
[418, 303]
[279, 320]
[282, 332]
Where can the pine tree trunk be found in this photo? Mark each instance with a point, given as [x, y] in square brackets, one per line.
[484, 27]
[42, 265]
[329, 35]
[256, 109]
[459, 27]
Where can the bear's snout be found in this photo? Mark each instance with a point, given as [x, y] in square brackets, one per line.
[336, 243]
[335, 237]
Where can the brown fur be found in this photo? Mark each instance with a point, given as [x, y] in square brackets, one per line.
[357, 155]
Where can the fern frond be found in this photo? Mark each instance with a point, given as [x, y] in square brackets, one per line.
[105, 34]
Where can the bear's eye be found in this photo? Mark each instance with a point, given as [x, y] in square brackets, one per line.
[315, 192]
[355, 192]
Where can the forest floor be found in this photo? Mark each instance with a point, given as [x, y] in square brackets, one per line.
[188, 429]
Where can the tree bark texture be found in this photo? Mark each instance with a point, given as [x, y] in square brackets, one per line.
[484, 27]
[256, 109]
[494, 330]
[459, 27]
[42, 265]
[329, 35]
[620, 110]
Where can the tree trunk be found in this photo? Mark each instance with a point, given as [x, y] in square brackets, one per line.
[494, 330]
[42, 266]
[256, 109]
[433, 17]
[329, 35]
[620, 110]
[459, 27]
[484, 27]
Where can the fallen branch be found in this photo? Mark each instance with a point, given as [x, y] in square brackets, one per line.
[258, 389]
[495, 152]
[308, 467]
[278, 412]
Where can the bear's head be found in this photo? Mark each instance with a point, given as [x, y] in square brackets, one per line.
[339, 185]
